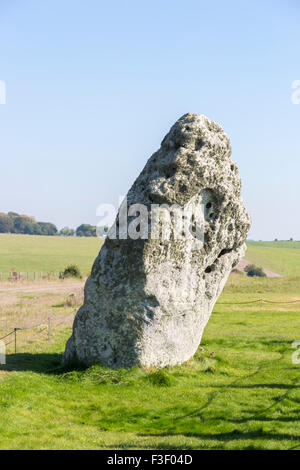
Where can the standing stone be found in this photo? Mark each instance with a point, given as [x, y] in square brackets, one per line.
[147, 300]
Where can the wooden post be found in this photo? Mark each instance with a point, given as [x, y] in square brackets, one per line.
[15, 330]
[49, 328]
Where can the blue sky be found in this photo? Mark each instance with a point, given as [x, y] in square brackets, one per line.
[93, 86]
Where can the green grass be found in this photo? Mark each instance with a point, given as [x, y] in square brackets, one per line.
[30, 253]
[247, 396]
[280, 257]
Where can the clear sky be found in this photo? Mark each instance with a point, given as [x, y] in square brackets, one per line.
[93, 86]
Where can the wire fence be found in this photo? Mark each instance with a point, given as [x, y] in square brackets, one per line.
[297, 301]
[13, 336]
[14, 349]
[16, 276]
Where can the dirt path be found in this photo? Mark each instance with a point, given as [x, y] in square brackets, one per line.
[55, 286]
[244, 262]
[31, 305]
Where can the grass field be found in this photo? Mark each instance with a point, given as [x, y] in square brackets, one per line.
[38, 253]
[245, 397]
[280, 257]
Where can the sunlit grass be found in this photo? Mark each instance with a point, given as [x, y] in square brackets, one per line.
[247, 396]
[32, 253]
[280, 257]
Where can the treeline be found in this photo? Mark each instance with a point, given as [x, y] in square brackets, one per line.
[16, 223]
[84, 230]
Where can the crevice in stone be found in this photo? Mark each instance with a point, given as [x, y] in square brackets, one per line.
[212, 267]
[208, 269]
[224, 252]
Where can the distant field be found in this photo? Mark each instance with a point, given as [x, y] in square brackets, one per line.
[41, 253]
[280, 257]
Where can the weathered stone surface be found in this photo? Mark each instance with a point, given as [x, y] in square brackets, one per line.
[147, 301]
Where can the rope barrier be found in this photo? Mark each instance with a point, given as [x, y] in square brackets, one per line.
[239, 303]
[217, 303]
[34, 333]
[260, 300]
[41, 331]
[14, 340]
[282, 302]
[32, 327]
[8, 334]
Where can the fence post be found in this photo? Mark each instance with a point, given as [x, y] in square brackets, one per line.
[15, 330]
[49, 328]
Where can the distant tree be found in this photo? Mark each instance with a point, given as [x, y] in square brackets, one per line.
[291, 239]
[47, 228]
[6, 224]
[15, 223]
[21, 222]
[276, 240]
[67, 232]
[33, 229]
[86, 230]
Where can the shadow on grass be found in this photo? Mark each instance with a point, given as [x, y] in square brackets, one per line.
[235, 435]
[287, 419]
[45, 363]
[280, 386]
